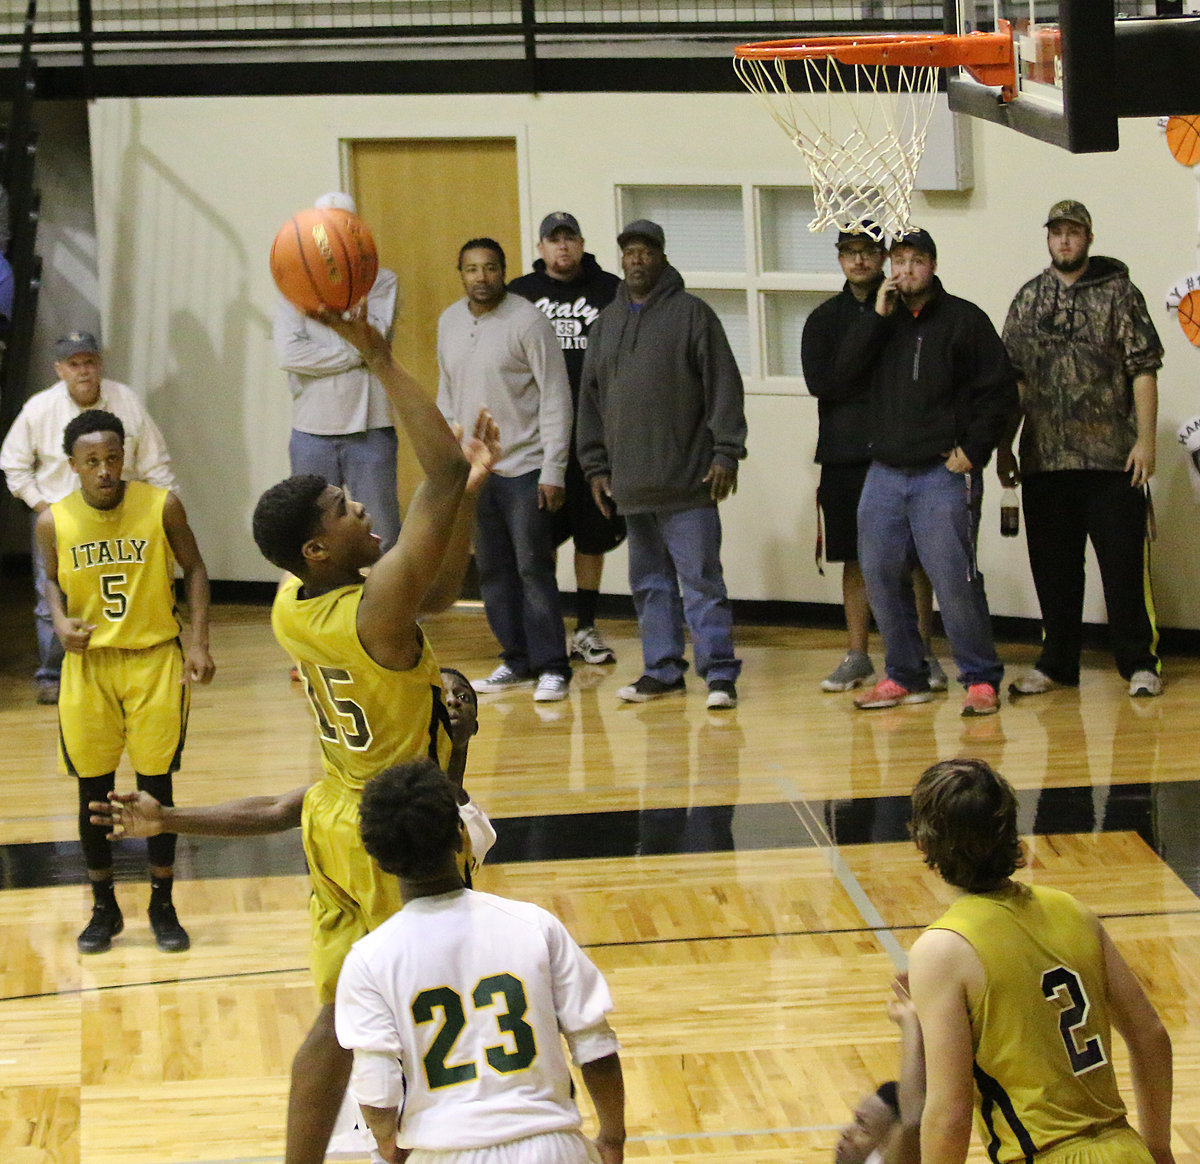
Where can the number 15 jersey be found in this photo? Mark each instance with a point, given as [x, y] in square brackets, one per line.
[1043, 1063]
[470, 995]
[368, 716]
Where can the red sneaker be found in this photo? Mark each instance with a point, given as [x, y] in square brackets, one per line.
[889, 693]
[981, 700]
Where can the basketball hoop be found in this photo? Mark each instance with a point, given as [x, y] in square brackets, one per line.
[861, 128]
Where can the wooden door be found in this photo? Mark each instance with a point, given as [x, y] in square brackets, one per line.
[423, 198]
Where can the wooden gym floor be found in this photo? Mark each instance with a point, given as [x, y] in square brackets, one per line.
[742, 878]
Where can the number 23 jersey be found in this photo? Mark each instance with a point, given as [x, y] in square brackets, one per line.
[472, 994]
[1043, 1062]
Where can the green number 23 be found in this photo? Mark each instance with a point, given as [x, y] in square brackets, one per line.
[439, 1073]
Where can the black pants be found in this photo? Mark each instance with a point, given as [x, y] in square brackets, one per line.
[1063, 510]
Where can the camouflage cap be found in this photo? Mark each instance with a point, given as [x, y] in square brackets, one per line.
[1068, 210]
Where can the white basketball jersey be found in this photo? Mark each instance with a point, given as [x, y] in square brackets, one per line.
[472, 994]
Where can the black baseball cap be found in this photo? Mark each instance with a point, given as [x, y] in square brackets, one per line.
[866, 230]
[918, 239]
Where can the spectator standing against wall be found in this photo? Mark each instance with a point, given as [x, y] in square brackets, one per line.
[341, 422]
[660, 432]
[1087, 355]
[569, 287]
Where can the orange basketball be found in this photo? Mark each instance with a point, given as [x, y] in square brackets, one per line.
[1183, 139]
[324, 258]
[1188, 312]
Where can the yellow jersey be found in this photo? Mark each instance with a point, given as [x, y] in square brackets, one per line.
[116, 569]
[368, 716]
[1043, 1063]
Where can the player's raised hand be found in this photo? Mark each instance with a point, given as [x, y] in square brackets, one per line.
[74, 634]
[481, 448]
[357, 330]
[127, 814]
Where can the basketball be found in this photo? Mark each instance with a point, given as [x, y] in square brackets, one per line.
[1189, 317]
[324, 259]
[1183, 140]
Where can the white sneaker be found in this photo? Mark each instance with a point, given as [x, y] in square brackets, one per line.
[503, 678]
[551, 687]
[1144, 683]
[1033, 682]
[588, 646]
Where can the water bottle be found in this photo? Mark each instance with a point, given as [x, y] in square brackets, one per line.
[1010, 514]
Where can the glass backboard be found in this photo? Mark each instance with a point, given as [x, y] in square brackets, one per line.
[1083, 64]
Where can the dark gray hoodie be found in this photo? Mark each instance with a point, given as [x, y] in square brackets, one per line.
[661, 399]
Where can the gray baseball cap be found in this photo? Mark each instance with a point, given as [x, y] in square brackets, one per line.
[643, 228]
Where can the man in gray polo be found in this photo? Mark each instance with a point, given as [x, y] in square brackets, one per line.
[497, 351]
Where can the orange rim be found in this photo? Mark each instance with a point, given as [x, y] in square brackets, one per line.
[987, 56]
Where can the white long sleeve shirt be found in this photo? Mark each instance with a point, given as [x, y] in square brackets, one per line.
[32, 458]
[508, 360]
[332, 391]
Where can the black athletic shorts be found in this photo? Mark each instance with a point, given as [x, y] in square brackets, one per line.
[841, 486]
[580, 520]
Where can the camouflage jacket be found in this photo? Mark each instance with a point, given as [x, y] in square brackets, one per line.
[1077, 350]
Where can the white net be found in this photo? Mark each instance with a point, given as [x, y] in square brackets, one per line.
[861, 129]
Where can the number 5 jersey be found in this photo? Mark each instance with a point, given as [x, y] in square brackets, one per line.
[116, 569]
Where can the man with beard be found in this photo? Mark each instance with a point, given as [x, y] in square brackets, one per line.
[1087, 356]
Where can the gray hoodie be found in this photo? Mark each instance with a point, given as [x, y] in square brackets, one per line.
[661, 398]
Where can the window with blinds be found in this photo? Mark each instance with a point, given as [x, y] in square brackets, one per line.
[747, 252]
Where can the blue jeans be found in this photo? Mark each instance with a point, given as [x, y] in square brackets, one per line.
[50, 650]
[364, 463]
[931, 516]
[514, 550]
[669, 553]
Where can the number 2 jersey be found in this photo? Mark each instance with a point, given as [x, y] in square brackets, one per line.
[1043, 1063]
[368, 716]
[116, 569]
[455, 1008]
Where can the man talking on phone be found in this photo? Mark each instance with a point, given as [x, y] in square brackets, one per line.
[942, 391]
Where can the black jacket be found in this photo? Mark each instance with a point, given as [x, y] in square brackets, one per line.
[939, 379]
[843, 406]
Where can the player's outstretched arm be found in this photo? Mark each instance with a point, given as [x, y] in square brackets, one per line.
[904, 1145]
[939, 965]
[138, 814]
[606, 1086]
[1150, 1056]
[395, 591]
[482, 450]
[198, 665]
[73, 633]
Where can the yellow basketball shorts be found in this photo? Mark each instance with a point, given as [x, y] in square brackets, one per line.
[350, 893]
[1119, 1145]
[113, 700]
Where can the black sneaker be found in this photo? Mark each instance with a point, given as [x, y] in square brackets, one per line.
[721, 694]
[98, 934]
[171, 937]
[648, 688]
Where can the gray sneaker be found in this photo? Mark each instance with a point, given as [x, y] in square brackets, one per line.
[588, 646]
[1033, 682]
[853, 671]
[1144, 683]
[503, 678]
[937, 677]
